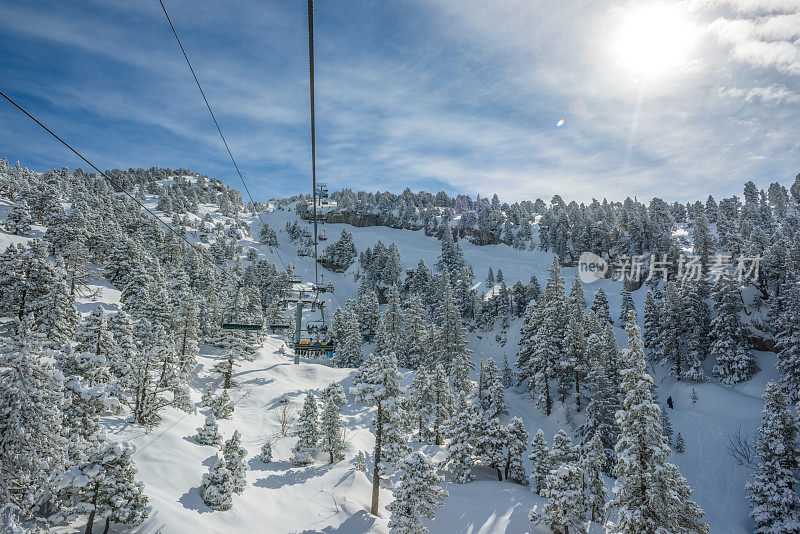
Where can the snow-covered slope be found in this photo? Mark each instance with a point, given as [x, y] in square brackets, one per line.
[322, 498]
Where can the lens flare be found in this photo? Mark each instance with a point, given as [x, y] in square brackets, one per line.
[560, 123]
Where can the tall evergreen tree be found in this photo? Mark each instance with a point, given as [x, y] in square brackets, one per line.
[418, 495]
[775, 504]
[377, 383]
[331, 426]
[307, 432]
[542, 464]
[735, 363]
[650, 494]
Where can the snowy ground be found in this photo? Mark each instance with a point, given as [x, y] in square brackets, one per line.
[322, 498]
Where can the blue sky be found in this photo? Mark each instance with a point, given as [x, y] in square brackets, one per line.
[460, 95]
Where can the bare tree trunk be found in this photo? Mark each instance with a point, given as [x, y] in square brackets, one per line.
[90, 520]
[376, 477]
[108, 523]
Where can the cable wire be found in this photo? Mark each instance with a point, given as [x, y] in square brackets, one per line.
[219, 129]
[116, 184]
[313, 133]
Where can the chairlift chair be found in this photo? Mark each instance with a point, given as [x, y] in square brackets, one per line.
[236, 317]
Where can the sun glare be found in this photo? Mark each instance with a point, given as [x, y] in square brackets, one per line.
[654, 40]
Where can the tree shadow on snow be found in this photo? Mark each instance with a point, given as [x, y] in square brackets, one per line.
[191, 500]
[358, 523]
[290, 478]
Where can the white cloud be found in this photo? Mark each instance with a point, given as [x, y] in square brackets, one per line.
[773, 94]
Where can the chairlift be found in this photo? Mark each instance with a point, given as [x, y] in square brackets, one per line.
[322, 236]
[236, 318]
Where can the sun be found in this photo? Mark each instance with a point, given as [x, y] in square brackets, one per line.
[654, 40]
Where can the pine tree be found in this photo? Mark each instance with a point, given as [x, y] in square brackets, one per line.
[460, 370]
[331, 426]
[600, 307]
[451, 340]
[600, 411]
[542, 463]
[18, 220]
[377, 383]
[452, 258]
[420, 397]
[565, 505]
[221, 406]
[217, 487]
[507, 375]
[652, 320]
[234, 455]
[461, 445]
[775, 504]
[516, 442]
[266, 452]
[360, 462]
[209, 434]
[418, 495]
[348, 352]
[594, 463]
[441, 402]
[368, 314]
[627, 304]
[666, 425]
[697, 325]
[735, 363]
[573, 366]
[650, 494]
[789, 345]
[60, 318]
[680, 445]
[31, 397]
[494, 393]
[563, 450]
[489, 443]
[417, 352]
[307, 432]
[389, 338]
[104, 485]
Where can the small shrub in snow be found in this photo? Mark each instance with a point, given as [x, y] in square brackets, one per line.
[217, 487]
[209, 434]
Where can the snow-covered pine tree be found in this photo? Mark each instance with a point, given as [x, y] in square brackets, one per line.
[460, 446]
[789, 344]
[542, 464]
[451, 340]
[600, 307]
[420, 398]
[680, 444]
[507, 374]
[627, 304]
[360, 462]
[234, 455]
[266, 452]
[775, 504]
[18, 220]
[666, 425]
[565, 507]
[389, 338]
[735, 363]
[415, 335]
[222, 406]
[577, 300]
[543, 339]
[348, 353]
[31, 396]
[307, 432]
[94, 335]
[489, 443]
[368, 314]
[418, 495]
[452, 258]
[104, 485]
[603, 401]
[572, 368]
[209, 434]
[377, 383]
[331, 426]
[60, 317]
[652, 320]
[516, 443]
[563, 450]
[217, 487]
[697, 324]
[594, 463]
[494, 392]
[441, 402]
[650, 494]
